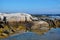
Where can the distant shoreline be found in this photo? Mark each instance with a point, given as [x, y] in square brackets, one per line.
[46, 14]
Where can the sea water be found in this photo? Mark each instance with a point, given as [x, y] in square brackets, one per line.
[52, 34]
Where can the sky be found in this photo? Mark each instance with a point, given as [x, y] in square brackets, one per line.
[31, 6]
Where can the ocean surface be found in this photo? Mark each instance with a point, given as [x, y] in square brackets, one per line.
[52, 34]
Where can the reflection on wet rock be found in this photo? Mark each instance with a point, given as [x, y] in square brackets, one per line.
[40, 27]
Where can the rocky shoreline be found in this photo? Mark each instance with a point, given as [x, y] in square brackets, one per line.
[40, 26]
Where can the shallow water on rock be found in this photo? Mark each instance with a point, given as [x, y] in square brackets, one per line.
[53, 34]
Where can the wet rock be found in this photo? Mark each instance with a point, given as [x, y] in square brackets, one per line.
[40, 27]
[3, 35]
[1, 26]
[39, 24]
[6, 32]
